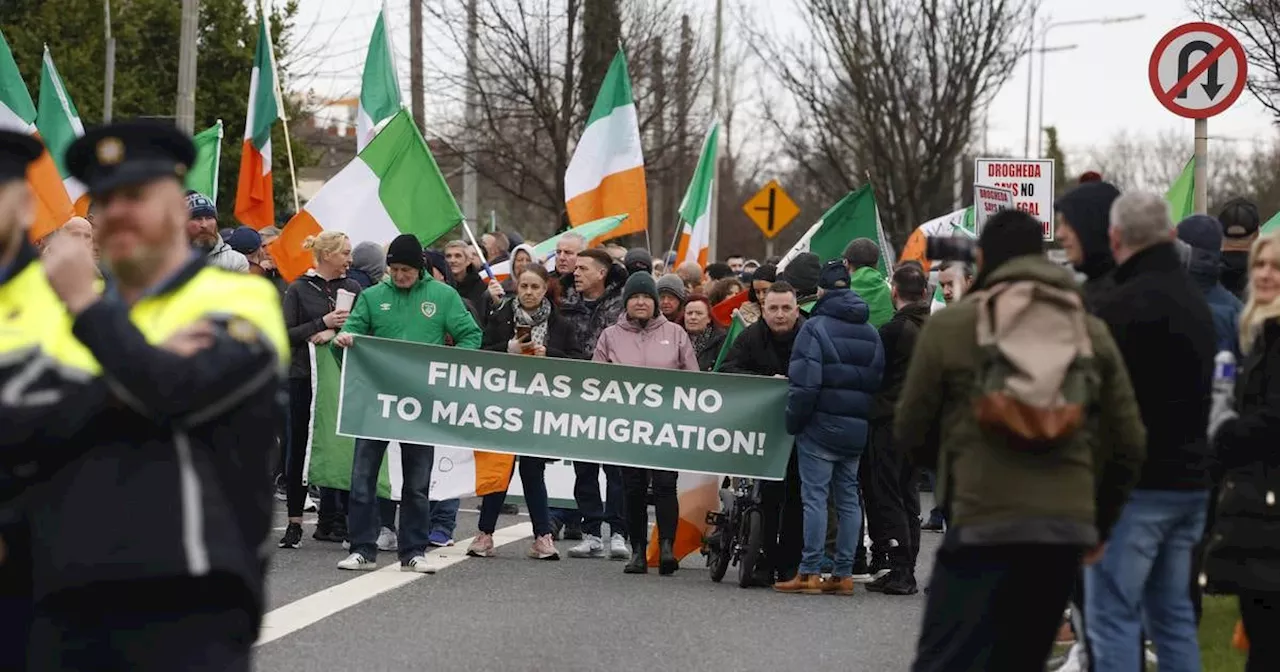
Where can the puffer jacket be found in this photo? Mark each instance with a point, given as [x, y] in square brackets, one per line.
[591, 318]
[659, 344]
[222, 256]
[1243, 551]
[835, 371]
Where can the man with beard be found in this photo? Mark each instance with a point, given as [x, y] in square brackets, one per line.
[202, 231]
[1240, 225]
[149, 550]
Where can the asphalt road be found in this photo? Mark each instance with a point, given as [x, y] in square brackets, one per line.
[513, 614]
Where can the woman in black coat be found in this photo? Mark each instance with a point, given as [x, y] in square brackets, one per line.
[706, 336]
[526, 325]
[1242, 556]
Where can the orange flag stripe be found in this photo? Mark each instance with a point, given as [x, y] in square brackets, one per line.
[621, 193]
[291, 260]
[255, 204]
[53, 207]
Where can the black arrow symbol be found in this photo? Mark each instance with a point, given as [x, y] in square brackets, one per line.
[1211, 87]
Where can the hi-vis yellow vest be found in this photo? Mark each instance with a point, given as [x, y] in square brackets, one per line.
[214, 293]
[34, 322]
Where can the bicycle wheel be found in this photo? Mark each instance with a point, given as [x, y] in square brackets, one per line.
[752, 540]
[720, 553]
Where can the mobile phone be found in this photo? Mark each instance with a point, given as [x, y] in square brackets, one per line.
[523, 333]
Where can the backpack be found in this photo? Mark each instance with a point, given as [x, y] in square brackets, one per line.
[1036, 376]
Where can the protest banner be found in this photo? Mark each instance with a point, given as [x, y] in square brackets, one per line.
[988, 201]
[1031, 181]
[564, 409]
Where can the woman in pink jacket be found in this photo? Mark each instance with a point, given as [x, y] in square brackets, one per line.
[643, 337]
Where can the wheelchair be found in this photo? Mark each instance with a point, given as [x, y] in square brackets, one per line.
[737, 535]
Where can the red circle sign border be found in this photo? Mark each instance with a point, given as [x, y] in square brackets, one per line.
[1234, 46]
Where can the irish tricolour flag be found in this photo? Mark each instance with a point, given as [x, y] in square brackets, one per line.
[855, 216]
[392, 187]
[606, 174]
[695, 209]
[18, 113]
[379, 90]
[60, 125]
[255, 206]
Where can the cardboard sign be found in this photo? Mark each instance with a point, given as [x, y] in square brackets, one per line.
[988, 201]
[1031, 181]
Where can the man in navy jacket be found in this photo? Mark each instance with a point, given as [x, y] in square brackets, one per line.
[835, 372]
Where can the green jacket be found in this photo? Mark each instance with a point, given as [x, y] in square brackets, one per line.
[424, 313]
[873, 289]
[996, 495]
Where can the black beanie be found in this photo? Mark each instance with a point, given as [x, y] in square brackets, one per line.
[803, 273]
[1008, 234]
[638, 259]
[405, 249]
[640, 282]
[768, 273]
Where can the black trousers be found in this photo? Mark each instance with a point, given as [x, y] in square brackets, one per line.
[1261, 615]
[635, 486]
[891, 495]
[994, 607]
[783, 522]
[333, 503]
[15, 596]
[170, 625]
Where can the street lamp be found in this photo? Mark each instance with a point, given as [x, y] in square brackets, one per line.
[1100, 21]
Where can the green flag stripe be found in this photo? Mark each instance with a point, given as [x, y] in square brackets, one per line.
[1181, 194]
[735, 329]
[698, 198]
[614, 92]
[56, 116]
[379, 90]
[265, 110]
[203, 176]
[411, 187]
[13, 91]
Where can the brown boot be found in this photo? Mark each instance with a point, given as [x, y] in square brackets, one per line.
[806, 584]
[842, 585]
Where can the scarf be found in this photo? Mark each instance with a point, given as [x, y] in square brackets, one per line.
[537, 320]
[701, 340]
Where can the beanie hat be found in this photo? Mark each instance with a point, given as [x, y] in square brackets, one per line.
[199, 205]
[434, 260]
[406, 249]
[835, 275]
[640, 282]
[369, 257]
[803, 273]
[245, 240]
[1201, 232]
[1239, 218]
[768, 273]
[1007, 235]
[638, 259]
[1090, 176]
[673, 285]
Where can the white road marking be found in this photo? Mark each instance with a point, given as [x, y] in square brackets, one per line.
[313, 608]
[312, 520]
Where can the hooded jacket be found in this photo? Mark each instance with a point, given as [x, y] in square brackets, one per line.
[867, 283]
[659, 344]
[222, 256]
[424, 313]
[834, 373]
[368, 264]
[994, 493]
[1087, 209]
[1205, 268]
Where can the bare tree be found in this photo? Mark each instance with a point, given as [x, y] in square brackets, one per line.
[887, 91]
[1257, 23]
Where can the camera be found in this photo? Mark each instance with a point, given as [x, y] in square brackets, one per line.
[951, 248]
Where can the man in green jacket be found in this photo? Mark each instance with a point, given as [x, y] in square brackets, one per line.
[1021, 520]
[862, 258]
[410, 305]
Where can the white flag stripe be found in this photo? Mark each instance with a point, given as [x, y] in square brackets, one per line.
[610, 145]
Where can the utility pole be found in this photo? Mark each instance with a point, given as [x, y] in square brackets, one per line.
[715, 110]
[415, 65]
[185, 115]
[109, 77]
[470, 188]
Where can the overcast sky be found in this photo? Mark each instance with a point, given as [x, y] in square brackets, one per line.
[1093, 92]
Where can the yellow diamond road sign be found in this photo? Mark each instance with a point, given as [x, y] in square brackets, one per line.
[771, 209]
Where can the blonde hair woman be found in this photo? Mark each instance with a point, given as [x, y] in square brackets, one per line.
[312, 316]
[1243, 553]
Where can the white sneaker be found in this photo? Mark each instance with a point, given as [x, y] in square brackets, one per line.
[419, 564]
[387, 539]
[618, 548]
[309, 505]
[591, 547]
[358, 563]
[1075, 661]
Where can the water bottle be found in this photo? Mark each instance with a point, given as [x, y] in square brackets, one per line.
[1224, 373]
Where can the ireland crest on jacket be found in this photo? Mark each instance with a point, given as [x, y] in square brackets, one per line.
[428, 308]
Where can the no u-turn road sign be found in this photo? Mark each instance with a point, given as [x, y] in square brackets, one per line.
[1197, 70]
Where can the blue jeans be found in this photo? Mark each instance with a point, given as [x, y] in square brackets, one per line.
[444, 516]
[586, 492]
[823, 474]
[1143, 582]
[363, 516]
[533, 479]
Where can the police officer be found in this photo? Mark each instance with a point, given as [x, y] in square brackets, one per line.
[149, 551]
[47, 389]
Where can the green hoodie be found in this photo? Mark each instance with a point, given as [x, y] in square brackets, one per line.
[1072, 494]
[424, 313]
[873, 289]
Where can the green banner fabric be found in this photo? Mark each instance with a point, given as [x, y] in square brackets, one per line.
[329, 456]
[566, 409]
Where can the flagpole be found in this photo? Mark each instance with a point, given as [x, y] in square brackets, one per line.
[284, 114]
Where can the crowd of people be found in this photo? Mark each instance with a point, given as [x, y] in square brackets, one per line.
[1084, 450]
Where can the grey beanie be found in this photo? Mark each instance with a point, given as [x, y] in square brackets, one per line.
[673, 285]
[370, 258]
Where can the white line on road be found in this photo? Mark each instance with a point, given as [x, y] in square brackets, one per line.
[313, 608]
[312, 520]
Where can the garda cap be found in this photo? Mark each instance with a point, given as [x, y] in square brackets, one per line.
[17, 151]
[129, 153]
